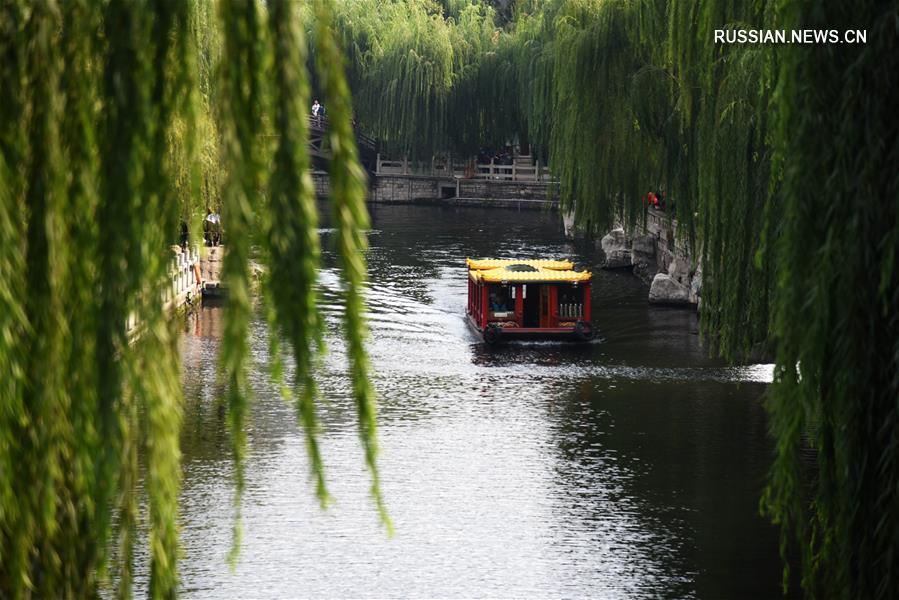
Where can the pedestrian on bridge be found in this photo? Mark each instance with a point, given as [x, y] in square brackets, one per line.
[318, 111]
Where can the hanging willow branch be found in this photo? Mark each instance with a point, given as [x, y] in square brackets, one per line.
[35, 439]
[836, 309]
[293, 242]
[348, 190]
[98, 159]
[242, 111]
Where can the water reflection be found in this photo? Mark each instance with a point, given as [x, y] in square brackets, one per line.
[627, 468]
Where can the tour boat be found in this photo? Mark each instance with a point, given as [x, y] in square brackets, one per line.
[529, 299]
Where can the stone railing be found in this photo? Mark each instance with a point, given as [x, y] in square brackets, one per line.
[436, 168]
[445, 168]
[183, 286]
[184, 277]
[513, 172]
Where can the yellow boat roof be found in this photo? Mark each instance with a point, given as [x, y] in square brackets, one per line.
[493, 270]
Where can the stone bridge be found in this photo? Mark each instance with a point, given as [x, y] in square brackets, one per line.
[320, 150]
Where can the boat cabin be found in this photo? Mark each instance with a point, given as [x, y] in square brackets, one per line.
[529, 299]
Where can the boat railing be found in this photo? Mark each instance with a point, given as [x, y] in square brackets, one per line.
[572, 310]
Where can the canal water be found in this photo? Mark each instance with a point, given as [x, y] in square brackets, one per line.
[627, 468]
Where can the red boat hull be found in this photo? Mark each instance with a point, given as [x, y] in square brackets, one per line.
[581, 334]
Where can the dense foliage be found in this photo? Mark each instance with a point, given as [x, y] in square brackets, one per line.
[836, 306]
[414, 68]
[782, 163]
[118, 120]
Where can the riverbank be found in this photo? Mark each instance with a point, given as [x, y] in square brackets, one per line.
[653, 251]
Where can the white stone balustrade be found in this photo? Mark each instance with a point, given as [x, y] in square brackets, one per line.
[182, 276]
[181, 288]
[520, 170]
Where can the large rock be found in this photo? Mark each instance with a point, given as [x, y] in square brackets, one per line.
[568, 224]
[643, 256]
[666, 290]
[696, 286]
[680, 270]
[614, 246]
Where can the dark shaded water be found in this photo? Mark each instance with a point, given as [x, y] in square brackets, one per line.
[628, 468]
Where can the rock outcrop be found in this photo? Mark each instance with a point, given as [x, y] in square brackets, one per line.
[568, 224]
[614, 246]
[649, 250]
[667, 290]
[696, 286]
[681, 285]
[643, 256]
[680, 270]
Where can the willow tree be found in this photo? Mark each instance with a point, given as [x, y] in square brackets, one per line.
[482, 107]
[533, 48]
[195, 148]
[781, 162]
[627, 97]
[407, 77]
[836, 305]
[103, 105]
[428, 78]
[596, 149]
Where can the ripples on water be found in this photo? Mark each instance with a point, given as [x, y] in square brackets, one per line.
[626, 468]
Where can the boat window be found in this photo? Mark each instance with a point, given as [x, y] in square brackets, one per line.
[500, 301]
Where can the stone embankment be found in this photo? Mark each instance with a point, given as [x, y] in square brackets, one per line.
[653, 252]
[193, 273]
[211, 266]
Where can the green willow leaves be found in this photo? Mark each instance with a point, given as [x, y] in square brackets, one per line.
[782, 164]
[415, 74]
[836, 310]
[242, 116]
[119, 122]
[351, 217]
